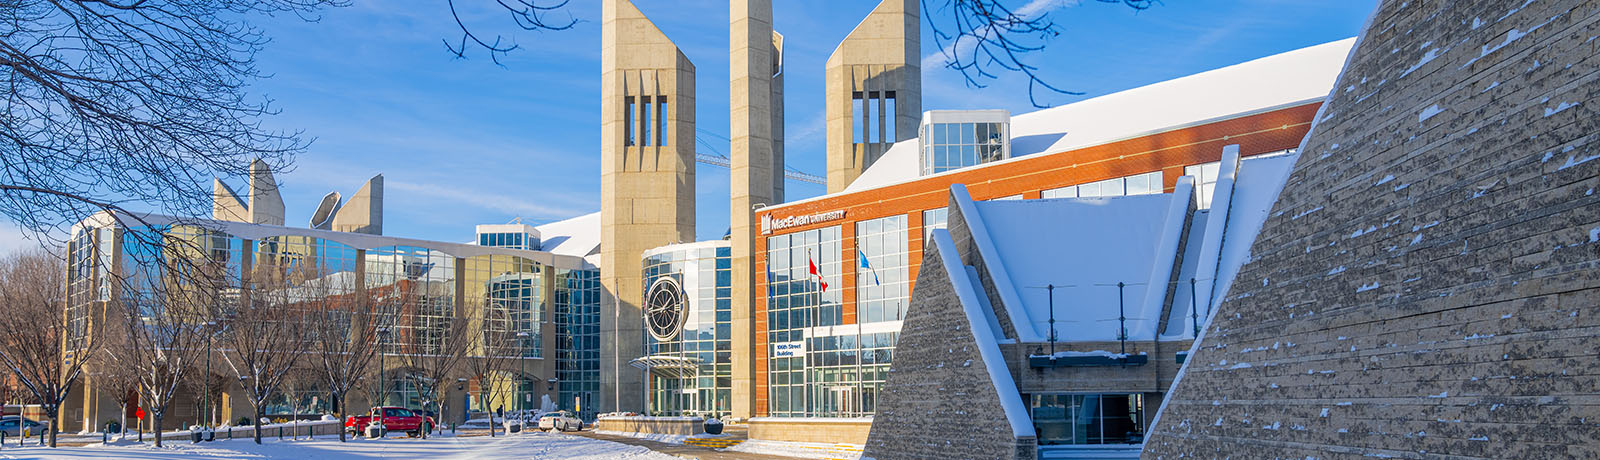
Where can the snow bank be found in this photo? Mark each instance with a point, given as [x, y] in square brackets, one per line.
[800, 449]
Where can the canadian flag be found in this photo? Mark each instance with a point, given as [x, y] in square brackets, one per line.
[815, 273]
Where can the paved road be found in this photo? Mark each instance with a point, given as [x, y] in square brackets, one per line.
[682, 450]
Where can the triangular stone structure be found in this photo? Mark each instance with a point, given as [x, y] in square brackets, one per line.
[1427, 284]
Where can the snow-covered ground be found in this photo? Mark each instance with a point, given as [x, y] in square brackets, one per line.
[809, 450]
[521, 446]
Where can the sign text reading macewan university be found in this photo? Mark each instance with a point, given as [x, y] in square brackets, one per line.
[769, 224]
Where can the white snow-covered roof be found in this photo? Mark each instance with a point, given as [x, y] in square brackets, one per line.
[258, 232]
[578, 237]
[1084, 247]
[1284, 80]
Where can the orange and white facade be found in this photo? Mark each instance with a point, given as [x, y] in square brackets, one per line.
[833, 274]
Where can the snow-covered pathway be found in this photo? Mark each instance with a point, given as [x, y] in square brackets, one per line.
[531, 446]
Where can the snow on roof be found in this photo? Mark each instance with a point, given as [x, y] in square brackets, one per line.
[1284, 80]
[578, 236]
[1255, 189]
[1084, 247]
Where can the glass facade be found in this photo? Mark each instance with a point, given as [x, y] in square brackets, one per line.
[577, 317]
[934, 219]
[949, 146]
[415, 288]
[1138, 184]
[701, 380]
[509, 240]
[815, 370]
[1067, 419]
[883, 287]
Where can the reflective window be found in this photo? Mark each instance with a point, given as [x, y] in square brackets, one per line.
[1139, 184]
[933, 219]
[1205, 178]
[1088, 418]
[949, 146]
[705, 343]
[882, 278]
[577, 318]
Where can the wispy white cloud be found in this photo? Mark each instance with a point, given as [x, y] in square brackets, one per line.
[481, 199]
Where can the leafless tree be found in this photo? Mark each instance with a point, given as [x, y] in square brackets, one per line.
[263, 335]
[434, 342]
[34, 337]
[121, 381]
[981, 38]
[344, 334]
[111, 102]
[497, 349]
[165, 311]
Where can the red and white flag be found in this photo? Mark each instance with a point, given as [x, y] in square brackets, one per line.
[815, 273]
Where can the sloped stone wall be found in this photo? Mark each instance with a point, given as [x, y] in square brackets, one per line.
[1427, 283]
[939, 401]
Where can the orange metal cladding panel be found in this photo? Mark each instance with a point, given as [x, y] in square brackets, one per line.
[1168, 152]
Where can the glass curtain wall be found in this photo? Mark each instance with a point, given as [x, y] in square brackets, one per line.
[950, 146]
[883, 285]
[577, 317]
[1066, 419]
[798, 303]
[705, 339]
[1138, 184]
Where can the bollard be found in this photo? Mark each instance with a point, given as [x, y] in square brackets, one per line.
[2, 439]
[280, 433]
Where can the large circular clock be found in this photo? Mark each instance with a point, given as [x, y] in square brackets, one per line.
[664, 308]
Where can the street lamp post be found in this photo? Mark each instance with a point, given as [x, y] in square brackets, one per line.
[205, 400]
[522, 370]
[383, 390]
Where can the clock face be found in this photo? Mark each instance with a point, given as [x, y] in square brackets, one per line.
[664, 308]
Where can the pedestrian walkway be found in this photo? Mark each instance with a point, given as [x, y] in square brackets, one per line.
[687, 450]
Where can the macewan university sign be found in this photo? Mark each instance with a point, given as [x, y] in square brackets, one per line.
[769, 223]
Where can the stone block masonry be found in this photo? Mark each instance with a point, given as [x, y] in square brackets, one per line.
[1428, 283]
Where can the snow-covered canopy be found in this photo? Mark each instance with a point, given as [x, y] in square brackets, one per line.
[1284, 80]
[1084, 247]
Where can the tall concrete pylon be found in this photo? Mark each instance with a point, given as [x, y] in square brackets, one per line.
[756, 101]
[873, 90]
[646, 181]
[265, 204]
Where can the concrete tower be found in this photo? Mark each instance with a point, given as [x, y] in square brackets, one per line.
[265, 204]
[646, 181]
[756, 101]
[874, 90]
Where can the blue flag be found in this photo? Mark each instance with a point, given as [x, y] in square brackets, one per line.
[868, 266]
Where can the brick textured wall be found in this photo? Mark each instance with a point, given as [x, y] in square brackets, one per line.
[939, 401]
[1427, 284]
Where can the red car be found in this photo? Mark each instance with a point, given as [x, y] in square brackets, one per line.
[394, 419]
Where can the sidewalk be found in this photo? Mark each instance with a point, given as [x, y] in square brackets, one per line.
[683, 450]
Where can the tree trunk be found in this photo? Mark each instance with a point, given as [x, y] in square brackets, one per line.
[157, 428]
[258, 423]
[491, 415]
[423, 428]
[122, 425]
[55, 422]
[338, 401]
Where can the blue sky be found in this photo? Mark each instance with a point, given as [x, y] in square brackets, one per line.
[464, 141]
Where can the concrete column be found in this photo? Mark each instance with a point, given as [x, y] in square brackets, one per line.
[754, 173]
[647, 181]
[878, 58]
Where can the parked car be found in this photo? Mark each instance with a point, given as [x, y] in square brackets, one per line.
[394, 419]
[559, 421]
[11, 426]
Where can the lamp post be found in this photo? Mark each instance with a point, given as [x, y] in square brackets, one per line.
[522, 369]
[205, 399]
[383, 390]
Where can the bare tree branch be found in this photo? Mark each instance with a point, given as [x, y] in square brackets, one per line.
[110, 103]
[264, 332]
[982, 38]
[532, 15]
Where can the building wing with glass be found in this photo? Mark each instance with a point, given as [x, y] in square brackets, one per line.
[688, 322]
[545, 306]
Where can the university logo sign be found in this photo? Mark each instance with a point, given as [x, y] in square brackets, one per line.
[769, 224]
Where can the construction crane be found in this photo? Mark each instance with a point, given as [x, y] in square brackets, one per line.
[717, 159]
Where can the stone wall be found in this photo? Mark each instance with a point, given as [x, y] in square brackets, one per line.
[1427, 283]
[939, 400]
[687, 426]
[817, 430]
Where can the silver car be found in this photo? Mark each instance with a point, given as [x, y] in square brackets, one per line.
[559, 421]
[9, 424]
